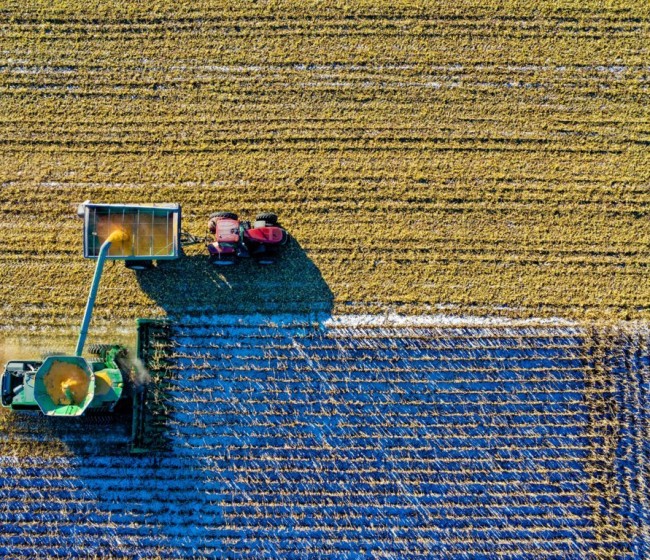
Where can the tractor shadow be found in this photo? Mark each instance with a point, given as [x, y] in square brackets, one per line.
[192, 286]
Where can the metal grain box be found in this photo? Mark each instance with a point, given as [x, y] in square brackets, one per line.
[153, 230]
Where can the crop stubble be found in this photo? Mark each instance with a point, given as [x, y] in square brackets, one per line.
[464, 158]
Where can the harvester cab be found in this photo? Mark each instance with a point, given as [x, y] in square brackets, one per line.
[234, 238]
[106, 384]
[66, 385]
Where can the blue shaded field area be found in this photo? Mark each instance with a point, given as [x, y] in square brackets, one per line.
[299, 439]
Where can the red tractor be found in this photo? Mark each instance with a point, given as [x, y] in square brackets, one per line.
[234, 238]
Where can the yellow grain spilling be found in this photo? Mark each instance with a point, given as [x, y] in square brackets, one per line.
[119, 234]
[66, 383]
[120, 239]
[130, 236]
[103, 383]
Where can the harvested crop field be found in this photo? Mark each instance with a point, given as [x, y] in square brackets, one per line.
[355, 437]
[461, 156]
[451, 358]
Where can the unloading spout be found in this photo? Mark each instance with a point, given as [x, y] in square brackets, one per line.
[118, 235]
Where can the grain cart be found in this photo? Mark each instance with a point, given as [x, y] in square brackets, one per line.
[151, 232]
[71, 385]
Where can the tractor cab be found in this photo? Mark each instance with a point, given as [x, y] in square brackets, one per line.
[234, 238]
[227, 231]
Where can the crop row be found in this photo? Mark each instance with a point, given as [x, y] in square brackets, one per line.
[413, 168]
[254, 467]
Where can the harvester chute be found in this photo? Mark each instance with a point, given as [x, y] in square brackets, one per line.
[71, 386]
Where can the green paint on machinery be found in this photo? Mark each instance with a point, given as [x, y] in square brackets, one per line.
[24, 383]
[72, 385]
[115, 385]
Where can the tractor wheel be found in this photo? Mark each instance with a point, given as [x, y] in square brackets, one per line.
[138, 265]
[220, 260]
[270, 218]
[216, 261]
[97, 349]
[226, 215]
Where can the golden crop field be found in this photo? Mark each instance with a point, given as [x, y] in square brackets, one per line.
[465, 156]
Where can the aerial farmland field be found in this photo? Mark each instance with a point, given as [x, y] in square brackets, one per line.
[449, 360]
[354, 438]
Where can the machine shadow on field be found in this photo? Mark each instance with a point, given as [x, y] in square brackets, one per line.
[192, 285]
[185, 448]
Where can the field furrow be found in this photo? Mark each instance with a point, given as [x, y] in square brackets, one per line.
[464, 158]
